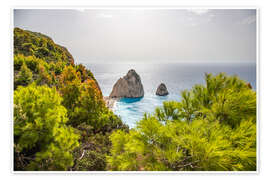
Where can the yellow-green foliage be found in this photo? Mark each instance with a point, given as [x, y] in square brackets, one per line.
[36, 44]
[42, 139]
[212, 128]
[38, 60]
[24, 77]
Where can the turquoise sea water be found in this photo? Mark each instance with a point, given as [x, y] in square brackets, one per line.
[177, 77]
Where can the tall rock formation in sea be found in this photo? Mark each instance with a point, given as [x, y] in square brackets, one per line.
[162, 90]
[130, 86]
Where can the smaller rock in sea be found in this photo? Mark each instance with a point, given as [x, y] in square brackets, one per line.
[162, 90]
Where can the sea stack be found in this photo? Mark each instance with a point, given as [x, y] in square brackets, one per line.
[162, 90]
[130, 86]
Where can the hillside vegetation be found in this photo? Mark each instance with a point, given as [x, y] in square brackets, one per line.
[61, 121]
[60, 118]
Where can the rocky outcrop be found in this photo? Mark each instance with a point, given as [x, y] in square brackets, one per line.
[162, 90]
[130, 86]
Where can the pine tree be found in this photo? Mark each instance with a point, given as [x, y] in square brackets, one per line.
[24, 76]
[213, 128]
[42, 140]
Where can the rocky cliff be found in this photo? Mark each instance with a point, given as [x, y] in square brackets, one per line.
[162, 90]
[130, 86]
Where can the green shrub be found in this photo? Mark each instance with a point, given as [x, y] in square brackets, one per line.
[42, 140]
[18, 61]
[41, 52]
[28, 48]
[213, 128]
[32, 63]
[24, 77]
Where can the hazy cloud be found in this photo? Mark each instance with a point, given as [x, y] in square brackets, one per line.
[200, 20]
[249, 20]
[102, 15]
[148, 35]
[199, 11]
[80, 10]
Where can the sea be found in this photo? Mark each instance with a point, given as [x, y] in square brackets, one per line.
[176, 76]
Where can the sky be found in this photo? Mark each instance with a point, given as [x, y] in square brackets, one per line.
[147, 35]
